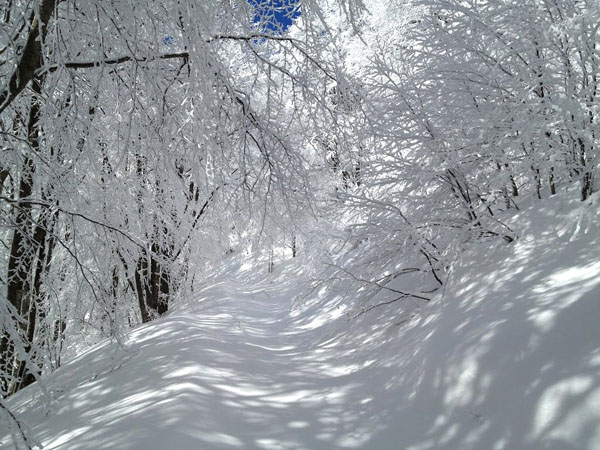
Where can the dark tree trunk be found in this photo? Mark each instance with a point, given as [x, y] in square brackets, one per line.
[32, 57]
[587, 185]
[538, 182]
[551, 180]
[153, 286]
[29, 261]
[19, 270]
[44, 242]
[587, 182]
[140, 275]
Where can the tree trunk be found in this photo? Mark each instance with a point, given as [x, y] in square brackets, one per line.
[587, 185]
[24, 273]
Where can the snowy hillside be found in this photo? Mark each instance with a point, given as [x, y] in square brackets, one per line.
[508, 358]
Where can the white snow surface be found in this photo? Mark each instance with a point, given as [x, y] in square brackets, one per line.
[507, 358]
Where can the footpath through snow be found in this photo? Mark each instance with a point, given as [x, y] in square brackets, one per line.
[234, 372]
[509, 358]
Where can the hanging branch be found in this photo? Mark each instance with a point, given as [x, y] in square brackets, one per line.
[111, 62]
[31, 66]
[18, 424]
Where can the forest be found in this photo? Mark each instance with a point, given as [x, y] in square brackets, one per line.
[377, 144]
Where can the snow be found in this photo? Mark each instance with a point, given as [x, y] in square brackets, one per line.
[507, 358]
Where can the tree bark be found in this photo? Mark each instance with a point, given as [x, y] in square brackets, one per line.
[32, 57]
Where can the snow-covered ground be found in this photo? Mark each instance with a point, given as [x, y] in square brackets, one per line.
[508, 358]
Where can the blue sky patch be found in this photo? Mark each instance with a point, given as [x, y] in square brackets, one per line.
[275, 15]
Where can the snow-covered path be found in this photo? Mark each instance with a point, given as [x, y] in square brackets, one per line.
[237, 372]
[508, 359]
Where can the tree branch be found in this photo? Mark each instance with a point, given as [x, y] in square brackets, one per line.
[32, 57]
[72, 214]
[31, 62]
[110, 62]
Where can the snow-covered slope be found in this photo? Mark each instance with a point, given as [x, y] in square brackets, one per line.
[508, 358]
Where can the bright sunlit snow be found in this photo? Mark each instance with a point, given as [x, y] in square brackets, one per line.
[508, 358]
[300, 225]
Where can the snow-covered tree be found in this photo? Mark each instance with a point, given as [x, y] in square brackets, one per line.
[470, 107]
[131, 133]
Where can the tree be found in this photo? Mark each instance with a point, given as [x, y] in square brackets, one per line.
[472, 105]
[129, 135]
